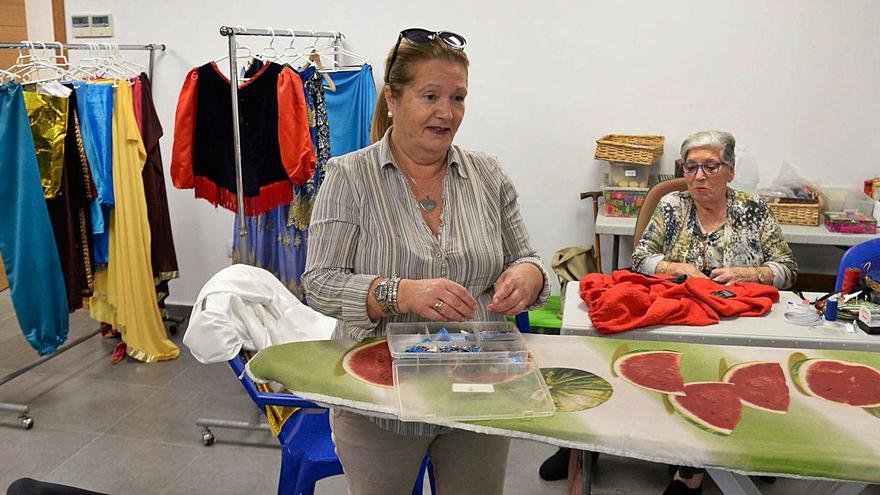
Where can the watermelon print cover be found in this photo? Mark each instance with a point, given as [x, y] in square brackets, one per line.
[813, 438]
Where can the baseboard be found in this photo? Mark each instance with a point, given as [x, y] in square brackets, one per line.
[179, 310]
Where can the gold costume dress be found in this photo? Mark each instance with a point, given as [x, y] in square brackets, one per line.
[48, 116]
[125, 295]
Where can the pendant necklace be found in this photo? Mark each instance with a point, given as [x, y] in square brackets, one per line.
[426, 204]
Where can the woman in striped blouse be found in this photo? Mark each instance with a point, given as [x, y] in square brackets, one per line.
[414, 228]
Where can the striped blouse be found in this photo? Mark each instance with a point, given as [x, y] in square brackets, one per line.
[366, 223]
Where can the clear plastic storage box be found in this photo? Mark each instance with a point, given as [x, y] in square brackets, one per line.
[465, 371]
[487, 336]
[450, 387]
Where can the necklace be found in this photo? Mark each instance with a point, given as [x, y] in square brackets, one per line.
[426, 204]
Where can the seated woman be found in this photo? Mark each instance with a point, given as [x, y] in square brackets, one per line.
[713, 231]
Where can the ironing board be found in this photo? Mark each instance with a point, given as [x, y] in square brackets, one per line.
[815, 439]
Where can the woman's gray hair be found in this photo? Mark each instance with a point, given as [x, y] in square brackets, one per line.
[720, 140]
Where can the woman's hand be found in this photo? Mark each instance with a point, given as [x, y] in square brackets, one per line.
[739, 274]
[437, 299]
[684, 269]
[516, 289]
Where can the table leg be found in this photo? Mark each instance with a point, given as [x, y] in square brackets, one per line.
[732, 483]
[586, 471]
[615, 252]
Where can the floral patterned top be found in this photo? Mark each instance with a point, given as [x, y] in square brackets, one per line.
[750, 236]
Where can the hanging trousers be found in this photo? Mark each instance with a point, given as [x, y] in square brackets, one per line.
[27, 242]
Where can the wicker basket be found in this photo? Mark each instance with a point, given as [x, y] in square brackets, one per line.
[797, 213]
[641, 150]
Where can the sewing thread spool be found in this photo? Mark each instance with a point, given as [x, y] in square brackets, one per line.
[831, 309]
[851, 279]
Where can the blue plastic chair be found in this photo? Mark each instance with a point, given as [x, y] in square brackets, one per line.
[856, 257]
[522, 322]
[307, 451]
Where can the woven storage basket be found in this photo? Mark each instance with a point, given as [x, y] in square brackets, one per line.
[642, 150]
[797, 213]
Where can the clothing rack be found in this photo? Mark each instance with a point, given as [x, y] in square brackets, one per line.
[26, 421]
[39, 45]
[231, 32]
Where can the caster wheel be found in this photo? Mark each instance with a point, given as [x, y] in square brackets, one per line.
[172, 329]
[26, 422]
[207, 439]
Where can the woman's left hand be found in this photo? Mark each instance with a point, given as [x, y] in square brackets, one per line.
[733, 275]
[516, 289]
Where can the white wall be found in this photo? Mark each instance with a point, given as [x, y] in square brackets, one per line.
[38, 14]
[794, 80]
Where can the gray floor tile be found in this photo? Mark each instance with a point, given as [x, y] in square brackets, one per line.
[216, 378]
[75, 404]
[119, 465]
[15, 353]
[169, 416]
[35, 453]
[131, 371]
[254, 474]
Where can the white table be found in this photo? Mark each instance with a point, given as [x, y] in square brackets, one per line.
[770, 330]
[793, 234]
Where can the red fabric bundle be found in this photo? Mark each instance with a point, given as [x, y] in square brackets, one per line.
[626, 300]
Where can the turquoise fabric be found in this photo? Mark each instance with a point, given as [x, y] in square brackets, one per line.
[27, 242]
[350, 109]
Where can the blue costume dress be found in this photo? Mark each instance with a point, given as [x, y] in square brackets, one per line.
[350, 110]
[95, 105]
[27, 242]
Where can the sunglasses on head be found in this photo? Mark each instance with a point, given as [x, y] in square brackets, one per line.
[418, 37]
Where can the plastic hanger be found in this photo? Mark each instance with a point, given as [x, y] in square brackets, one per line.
[246, 54]
[269, 52]
[297, 58]
[337, 50]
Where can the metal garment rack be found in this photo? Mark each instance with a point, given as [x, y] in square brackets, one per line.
[24, 420]
[231, 33]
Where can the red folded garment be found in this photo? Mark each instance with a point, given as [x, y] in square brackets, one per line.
[626, 300]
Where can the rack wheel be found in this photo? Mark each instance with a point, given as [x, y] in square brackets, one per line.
[26, 422]
[207, 438]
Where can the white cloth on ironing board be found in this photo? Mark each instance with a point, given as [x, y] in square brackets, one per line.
[245, 307]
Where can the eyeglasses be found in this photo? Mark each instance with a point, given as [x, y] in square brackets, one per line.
[709, 168]
[418, 37]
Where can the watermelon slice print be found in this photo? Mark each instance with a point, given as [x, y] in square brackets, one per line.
[576, 390]
[712, 406]
[370, 363]
[653, 370]
[836, 381]
[760, 385]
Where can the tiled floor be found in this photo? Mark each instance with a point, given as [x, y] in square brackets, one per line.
[129, 429]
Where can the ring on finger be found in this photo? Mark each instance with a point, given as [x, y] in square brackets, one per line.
[438, 306]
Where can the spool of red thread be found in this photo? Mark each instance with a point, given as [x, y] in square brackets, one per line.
[851, 279]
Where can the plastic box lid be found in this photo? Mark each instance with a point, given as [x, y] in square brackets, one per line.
[452, 388]
[491, 337]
